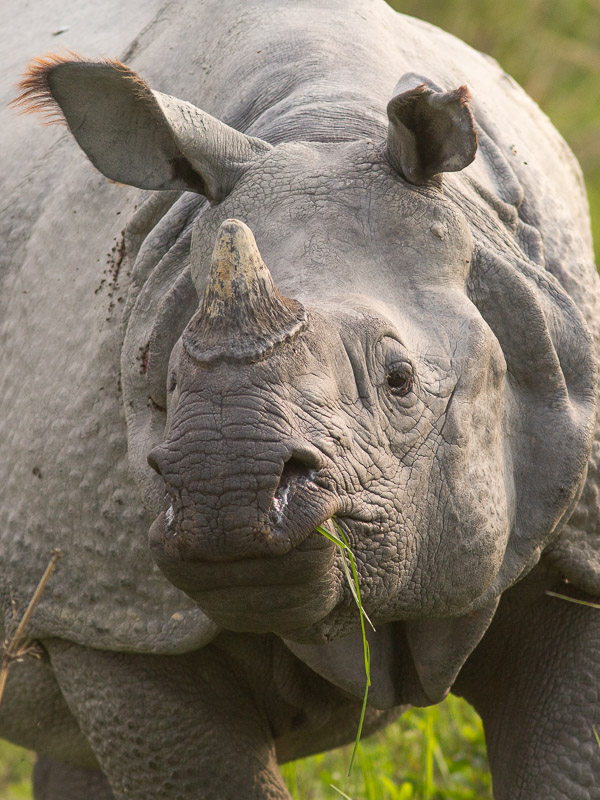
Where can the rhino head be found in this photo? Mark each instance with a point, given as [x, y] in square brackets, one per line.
[390, 358]
[282, 416]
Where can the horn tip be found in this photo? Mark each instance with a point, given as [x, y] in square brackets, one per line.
[234, 226]
[235, 248]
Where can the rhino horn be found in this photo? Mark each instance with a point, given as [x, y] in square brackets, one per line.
[242, 314]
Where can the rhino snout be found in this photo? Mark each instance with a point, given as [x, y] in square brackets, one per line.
[236, 506]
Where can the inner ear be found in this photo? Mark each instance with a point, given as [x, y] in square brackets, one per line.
[430, 131]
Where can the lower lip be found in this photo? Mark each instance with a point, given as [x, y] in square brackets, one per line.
[299, 566]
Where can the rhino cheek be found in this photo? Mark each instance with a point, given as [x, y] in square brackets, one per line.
[447, 500]
[473, 485]
[474, 525]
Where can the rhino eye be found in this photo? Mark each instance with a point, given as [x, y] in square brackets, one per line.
[400, 380]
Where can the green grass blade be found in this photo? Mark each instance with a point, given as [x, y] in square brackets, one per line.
[350, 578]
[347, 554]
[320, 529]
[574, 600]
[339, 791]
[362, 719]
[356, 592]
[353, 583]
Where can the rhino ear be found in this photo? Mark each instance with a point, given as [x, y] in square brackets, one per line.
[134, 135]
[430, 131]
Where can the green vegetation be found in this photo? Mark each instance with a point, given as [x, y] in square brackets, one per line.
[429, 754]
[15, 772]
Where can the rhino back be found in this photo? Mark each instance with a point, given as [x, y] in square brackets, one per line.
[283, 72]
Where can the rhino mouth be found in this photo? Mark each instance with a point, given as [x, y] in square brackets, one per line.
[280, 544]
[259, 593]
[278, 576]
[308, 559]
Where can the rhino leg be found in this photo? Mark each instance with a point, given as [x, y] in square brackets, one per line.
[54, 780]
[535, 681]
[166, 727]
[34, 714]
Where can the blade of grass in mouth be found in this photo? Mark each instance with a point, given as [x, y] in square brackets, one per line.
[352, 577]
[574, 600]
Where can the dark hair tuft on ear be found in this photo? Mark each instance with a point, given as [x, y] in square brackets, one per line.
[462, 95]
[143, 91]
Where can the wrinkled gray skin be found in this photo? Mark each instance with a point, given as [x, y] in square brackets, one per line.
[425, 369]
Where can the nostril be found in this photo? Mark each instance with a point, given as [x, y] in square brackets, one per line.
[153, 461]
[306, 458]
[292, 469]
[300, 466]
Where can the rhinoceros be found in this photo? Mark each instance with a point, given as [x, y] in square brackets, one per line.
[340, 276]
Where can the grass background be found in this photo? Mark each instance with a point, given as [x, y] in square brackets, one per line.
[552, 48]
[437, 752]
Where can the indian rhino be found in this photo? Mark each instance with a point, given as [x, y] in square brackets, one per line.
[342, 286]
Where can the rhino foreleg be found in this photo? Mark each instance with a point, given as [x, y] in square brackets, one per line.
[55, 780]
[169, 727]
[535, 680]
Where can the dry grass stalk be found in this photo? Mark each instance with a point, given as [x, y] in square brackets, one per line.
[15, 646]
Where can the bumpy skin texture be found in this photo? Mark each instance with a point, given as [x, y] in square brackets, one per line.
[241, 703]
[427, 372]
[55, 779]
[534, 681]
